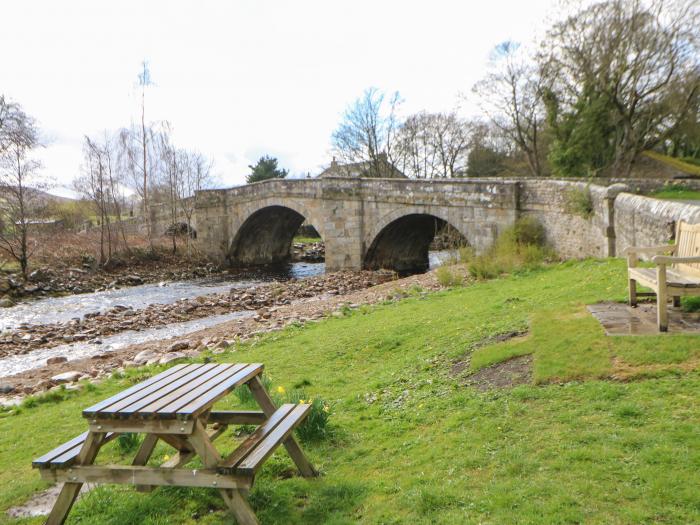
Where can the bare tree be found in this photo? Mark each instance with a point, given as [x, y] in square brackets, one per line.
[19, 183]
[642, 58]
[93, 185]
[196, 176]
[367, 131]
[171, 172]
[138, 155]
[432, 145]
[511, 96]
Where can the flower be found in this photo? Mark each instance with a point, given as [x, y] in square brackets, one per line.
[166, 457]
[302, 401]
[326, 408]
[280, 390]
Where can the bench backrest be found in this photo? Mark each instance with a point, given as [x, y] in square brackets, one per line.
[688, 242]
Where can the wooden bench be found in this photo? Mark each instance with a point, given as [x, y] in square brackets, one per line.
[176, 407]
[676, 274]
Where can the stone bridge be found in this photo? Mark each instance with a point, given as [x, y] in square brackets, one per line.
[365, 223]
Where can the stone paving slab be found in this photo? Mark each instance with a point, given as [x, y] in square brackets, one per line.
[622, 319]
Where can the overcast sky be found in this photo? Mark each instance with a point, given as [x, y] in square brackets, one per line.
[239, 79]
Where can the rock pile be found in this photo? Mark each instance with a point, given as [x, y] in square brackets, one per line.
[120, 318]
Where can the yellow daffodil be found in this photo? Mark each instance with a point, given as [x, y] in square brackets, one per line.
[166, 457]
[302, 401]
[280, 390]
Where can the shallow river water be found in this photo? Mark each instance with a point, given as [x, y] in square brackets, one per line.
[58, 309]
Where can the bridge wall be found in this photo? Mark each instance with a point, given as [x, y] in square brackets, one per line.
[350, 213]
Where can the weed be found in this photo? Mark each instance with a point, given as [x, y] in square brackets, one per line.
[579, 202]
[447, 278]
[127, 443]
[315, 426]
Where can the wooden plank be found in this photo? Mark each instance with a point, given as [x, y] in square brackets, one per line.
[143, 455]
[237, 417]
[70, 456]
[129, 405]
[67, 452]
[207, 399]
[89, 412]
[252, 462]
[164, 405]
[62, 449]
[156, 426]
[143, 475]
[229, 464]
[71, 489]
[293, 449]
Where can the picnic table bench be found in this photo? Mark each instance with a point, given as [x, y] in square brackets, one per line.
[175, 407]
[677, 271]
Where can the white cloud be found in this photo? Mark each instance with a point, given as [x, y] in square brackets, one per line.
[246, 78]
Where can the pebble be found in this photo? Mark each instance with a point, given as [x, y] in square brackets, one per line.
[56, 360]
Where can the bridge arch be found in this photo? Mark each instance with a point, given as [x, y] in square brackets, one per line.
[264, 234]
[401, 239]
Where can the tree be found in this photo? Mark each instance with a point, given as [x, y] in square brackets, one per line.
[265, 169]
[488, 152]
[432, 145]
[93, 185]
[367, 131]
[19, 199]
[196, 176]
[511, 96]
[627, 71]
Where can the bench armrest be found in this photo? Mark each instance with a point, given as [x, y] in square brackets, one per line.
[671, 248]
[665, 259]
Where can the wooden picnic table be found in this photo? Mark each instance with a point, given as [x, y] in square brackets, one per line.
[175, 406]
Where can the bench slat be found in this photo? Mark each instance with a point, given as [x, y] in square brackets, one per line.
[89, 412]
[233, 459]
[66, 453]
[267, 446]
[672, 278]
[156, 391]
[205, 381]
[202, 400]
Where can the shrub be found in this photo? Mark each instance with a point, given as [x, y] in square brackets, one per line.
[580, 202]
[518, 248]
[447, 278]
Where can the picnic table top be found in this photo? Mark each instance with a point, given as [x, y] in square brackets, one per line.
[182, 392]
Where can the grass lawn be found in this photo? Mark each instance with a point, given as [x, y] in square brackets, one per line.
[307, 240]
[680, 164]
[676, 192]
[412, 444]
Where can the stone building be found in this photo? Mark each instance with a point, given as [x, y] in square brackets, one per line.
[379, 168]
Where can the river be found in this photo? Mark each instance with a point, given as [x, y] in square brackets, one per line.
[61, 309]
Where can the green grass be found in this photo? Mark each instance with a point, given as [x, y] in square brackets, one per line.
[677, 163]
[411, 444]
[307, 240]
[676, 192]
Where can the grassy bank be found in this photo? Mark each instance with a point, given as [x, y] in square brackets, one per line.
[412, 443]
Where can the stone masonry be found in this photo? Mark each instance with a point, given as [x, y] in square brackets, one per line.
[389, 222]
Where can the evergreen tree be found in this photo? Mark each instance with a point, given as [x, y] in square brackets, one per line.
[265, 169]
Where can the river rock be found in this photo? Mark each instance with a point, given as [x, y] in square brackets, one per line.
[66, 377]
[56, 360]
[6, 388]
[6, 302]
[144, 356]
[169, 358]
[179, 345]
